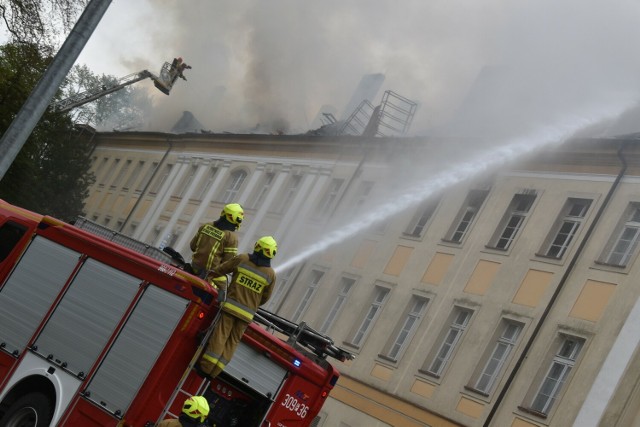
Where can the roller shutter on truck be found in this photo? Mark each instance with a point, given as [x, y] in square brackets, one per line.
[85, 319]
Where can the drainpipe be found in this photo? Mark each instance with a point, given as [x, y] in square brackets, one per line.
[147, 185]
[560, 286]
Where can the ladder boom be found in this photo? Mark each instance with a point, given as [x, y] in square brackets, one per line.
[93, 94]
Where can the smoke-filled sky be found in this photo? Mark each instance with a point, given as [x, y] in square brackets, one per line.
[277, 62]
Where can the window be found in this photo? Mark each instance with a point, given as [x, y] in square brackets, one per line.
[513, 220]
[448, 341]
[346, 284]
[134, 175]
[186, 182]
[330, 197]
[467, 214]
[160, 181]
[292, 189]
[283, 284]
[147, 177]
[110, 171]
[201, 193]
[121, 174]
[496, 355]
[264, 190]
[379, 298]
[624, 241]
[418, 223]
[364, 190]
[314, 280]
[566, 227]
[406, 328]
[233, 186]
[556, 375]
[100, 168]
[10, 234]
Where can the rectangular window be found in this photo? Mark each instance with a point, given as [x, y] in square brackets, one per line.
[565, 227]
[161, 180]
[330, 197]
[512, 220]
[182, 189]
[147, 177]
[292, 189]
[121, 174]
[316, 276]
[467, 214]
[371, 315]
[497, 355]
[364, 190]
[346, 283]
[134, 175]
[448, 341]
[233, 186]
[624, 241]
[556, 374]
[264, 190]
[201, 193]
[110, 171]
[406, 328]
[419, 222]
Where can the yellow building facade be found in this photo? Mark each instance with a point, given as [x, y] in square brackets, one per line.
[505, 296]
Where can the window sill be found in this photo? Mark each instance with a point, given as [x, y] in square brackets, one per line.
[429, 374]
[476, 391]
[533, 412]
[388, 360]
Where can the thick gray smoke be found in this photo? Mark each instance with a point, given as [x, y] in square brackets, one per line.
[277, 62]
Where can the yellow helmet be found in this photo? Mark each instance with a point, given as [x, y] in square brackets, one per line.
[267, 246]
[196, 407]
[234, 213]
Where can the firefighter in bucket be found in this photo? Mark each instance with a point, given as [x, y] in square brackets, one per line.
[252, 283]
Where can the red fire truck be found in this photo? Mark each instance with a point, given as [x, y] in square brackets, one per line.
[95, 333]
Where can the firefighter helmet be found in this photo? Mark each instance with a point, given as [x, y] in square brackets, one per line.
[234, 213]
[196, 407]
[267, 246]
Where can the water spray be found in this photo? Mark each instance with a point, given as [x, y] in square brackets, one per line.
[510, 151]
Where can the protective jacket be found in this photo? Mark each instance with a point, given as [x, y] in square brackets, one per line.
[212, 246]
[251, 286]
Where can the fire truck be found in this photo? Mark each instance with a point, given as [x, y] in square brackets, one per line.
[98, 329]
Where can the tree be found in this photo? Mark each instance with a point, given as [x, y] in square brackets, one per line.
[51, 174]
[39, 21]
[125, 109]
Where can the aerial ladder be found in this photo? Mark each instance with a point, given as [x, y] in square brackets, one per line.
[169, 73]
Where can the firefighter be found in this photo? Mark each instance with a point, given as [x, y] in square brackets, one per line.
[252, 282]
[194, 413]
[216, 243]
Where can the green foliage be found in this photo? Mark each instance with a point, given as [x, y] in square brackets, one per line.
[38, 21]
[51, 174]
[121, 110]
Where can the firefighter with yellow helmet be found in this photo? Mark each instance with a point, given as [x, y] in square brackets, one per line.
[252, 283]
[194, 413]
[216, 243]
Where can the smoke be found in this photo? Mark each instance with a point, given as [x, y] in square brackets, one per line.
[276, 63]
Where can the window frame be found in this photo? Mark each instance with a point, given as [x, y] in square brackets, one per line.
[234, 184]
[488, 356]
[554, 359]
[314, 278]
[437, 351]
[378, 300]
[626, 222]
[347, 283]
[401, 336]
[422, 218]
[514, 211]
[565, 217]
[462, 224]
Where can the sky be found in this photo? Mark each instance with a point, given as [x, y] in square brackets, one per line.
[276, 63]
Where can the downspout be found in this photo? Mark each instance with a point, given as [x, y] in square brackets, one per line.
[147, 185]
[560, 286]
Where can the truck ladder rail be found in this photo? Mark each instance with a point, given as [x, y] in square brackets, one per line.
[302, 334]
[93, 94]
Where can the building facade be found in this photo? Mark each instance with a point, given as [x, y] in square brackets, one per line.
[502, 297]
